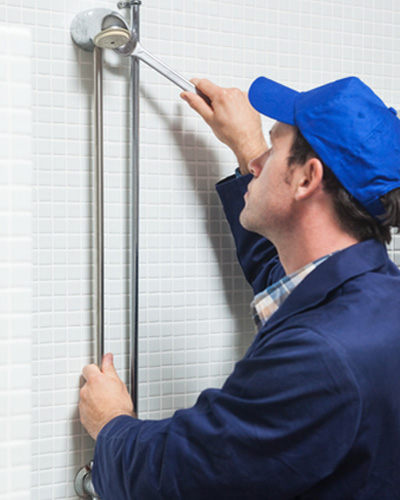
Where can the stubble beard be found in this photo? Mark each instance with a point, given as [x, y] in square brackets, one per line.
[273, 225]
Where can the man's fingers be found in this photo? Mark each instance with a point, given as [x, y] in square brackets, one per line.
[208, 88]
[198, 104]
[89, 371]
[108, 367]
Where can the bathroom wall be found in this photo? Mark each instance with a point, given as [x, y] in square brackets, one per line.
[15, 262]
[193, 304]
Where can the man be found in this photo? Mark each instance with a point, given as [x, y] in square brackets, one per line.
[312, 411]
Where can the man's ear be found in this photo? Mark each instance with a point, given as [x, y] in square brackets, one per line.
[308, 179]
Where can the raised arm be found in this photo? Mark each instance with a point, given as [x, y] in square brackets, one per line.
[232, 119]
[238, 125]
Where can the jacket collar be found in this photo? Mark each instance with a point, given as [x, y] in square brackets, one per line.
[353, 261]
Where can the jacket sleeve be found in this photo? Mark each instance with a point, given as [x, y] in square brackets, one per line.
[257, 256]
[266, 430]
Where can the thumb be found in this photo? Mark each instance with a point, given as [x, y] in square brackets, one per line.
[107, 366]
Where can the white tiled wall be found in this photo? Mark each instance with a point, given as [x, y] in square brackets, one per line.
[15, 262]
[193, 302]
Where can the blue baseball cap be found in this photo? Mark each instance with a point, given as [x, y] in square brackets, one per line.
[350, 128]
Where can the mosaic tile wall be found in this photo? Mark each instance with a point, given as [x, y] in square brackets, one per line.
[193, 302]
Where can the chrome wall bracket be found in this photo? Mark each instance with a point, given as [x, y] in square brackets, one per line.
[83, 483]
[128, 5]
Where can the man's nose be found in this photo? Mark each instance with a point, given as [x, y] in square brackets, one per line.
[256, 165]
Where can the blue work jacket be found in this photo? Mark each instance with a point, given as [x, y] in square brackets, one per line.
[312, 411]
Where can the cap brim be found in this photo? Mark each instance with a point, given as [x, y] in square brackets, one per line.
[273, 99]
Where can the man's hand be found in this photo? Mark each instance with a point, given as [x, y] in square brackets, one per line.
[232, 119]
[103, 397]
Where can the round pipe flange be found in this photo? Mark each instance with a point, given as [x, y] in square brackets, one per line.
[83, 483]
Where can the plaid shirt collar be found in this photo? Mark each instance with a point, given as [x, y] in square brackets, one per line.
[267, 302]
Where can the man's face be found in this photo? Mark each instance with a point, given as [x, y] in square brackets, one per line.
[269, 198]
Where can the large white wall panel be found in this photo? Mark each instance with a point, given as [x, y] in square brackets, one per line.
[15, 262]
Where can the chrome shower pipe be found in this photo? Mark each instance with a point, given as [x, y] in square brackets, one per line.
[83, 480]
[134, 204]
[99, 189]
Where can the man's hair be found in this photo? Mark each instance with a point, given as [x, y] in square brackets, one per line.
[352, 216]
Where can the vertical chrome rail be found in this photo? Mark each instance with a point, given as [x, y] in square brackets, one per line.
[134, 203]
[99, 203]
[83, 480]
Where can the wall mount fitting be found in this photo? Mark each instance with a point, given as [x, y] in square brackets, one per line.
[83, 483]
[103, 28]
